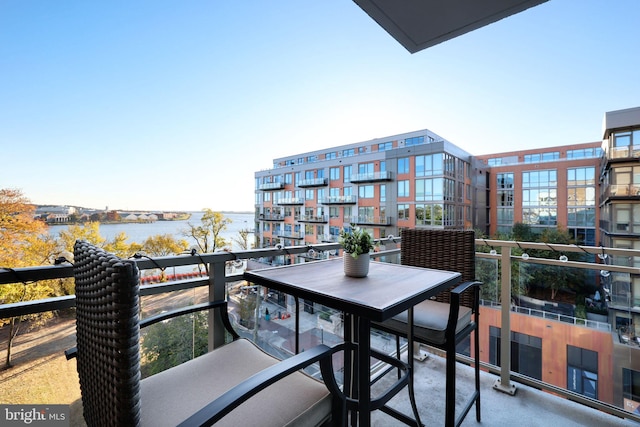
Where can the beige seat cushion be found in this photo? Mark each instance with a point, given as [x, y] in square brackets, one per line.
[429, 321]
[169, 397]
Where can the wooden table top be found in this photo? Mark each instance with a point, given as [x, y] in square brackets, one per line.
[388, 289]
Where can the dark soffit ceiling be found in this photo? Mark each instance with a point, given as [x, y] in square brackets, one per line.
[419, 24]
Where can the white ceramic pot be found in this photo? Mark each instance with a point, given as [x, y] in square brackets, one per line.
[356, 267]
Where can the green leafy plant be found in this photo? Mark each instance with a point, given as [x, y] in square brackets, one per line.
[356, 241]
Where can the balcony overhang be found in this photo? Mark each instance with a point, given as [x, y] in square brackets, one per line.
[419, 24]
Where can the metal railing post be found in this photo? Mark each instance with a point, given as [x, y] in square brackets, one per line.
[217, 292]
[503, 383]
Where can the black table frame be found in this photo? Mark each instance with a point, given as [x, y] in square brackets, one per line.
[387, 291]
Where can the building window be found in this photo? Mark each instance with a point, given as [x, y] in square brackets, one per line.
[366, 214]
[347, 173]
[403, 212]
[541, 157]
[540, 198]
[309, 194]
[365, 192]
[582, 371]
[631, 389]
[625, 181]
[383, 193]
[330, 156]
[403, 165]
[403, 188]
[584, 153]
[429, 214]
[366, 170]
[495, 161]
[348, 153]
[505, 194]
[526, 352]
[429, 189]
[287, 178]
[334, 174]
[429, 165]
[581, 198]
[384, 146]
[414, 141]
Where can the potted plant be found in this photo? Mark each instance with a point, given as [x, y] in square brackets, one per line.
[356, 243]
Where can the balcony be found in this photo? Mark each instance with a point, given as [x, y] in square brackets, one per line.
[38, 358]
[313, 218]
[290, 235]
[270, 186]
[623, 190]
[623, 153]
[339, 200]
[372, 177]
[313, 182]
[290, 201]
[371, 220]
[271, 217]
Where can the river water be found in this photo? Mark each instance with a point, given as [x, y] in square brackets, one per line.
[139, 232]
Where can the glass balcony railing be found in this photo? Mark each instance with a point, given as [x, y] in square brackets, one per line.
[572, 328]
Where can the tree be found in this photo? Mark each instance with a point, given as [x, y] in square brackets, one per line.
[554, 278]
[163, 245]
[208, 235]
[120, 247]
[243, 239]
[89, 231]
[19, 234]
[170, 343]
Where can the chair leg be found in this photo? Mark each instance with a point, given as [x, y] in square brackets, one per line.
[398, 353]
[450, 403]
[477, 372]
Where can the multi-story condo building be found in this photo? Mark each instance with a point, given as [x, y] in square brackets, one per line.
[546, 187]
[416, 179]
[620, 228]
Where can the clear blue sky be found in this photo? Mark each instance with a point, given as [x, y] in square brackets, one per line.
[173, 105]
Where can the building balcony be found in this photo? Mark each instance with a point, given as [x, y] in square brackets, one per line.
[313, 182]
[371, 220]
[339, 200]
[271, 217]
[623, 153]
[372, 177]
[330, 238]
[290, 235]
[554, 398]
[313, 218]
[290, 201]
[270, 186]
[623, 190]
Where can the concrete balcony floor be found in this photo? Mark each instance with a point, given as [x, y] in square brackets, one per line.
[528, 408]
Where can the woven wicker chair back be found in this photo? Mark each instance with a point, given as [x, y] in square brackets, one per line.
[452, 250]
[108, 332]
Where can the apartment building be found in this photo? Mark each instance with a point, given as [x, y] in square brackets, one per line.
[619, 205]
[383, 185]
[546, 187]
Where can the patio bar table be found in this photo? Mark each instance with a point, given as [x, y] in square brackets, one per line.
[388, 290]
